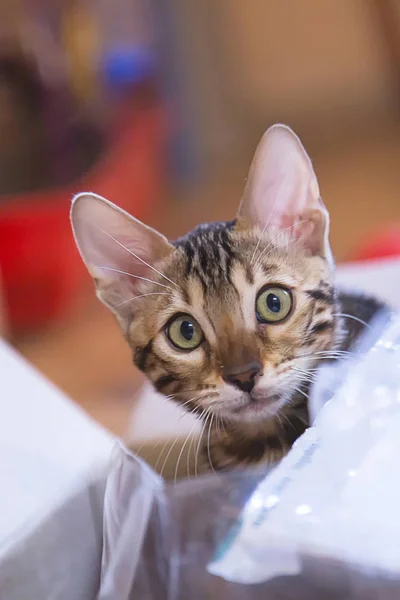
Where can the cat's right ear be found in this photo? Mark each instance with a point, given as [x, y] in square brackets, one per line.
[117, 249]
[282, 192]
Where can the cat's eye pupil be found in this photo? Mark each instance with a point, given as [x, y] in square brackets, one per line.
[273, 303]
[187, 330]
[184, 332]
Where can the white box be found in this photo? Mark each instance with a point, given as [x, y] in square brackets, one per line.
[53, 466]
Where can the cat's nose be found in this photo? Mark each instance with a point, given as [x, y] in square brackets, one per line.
[243, 378]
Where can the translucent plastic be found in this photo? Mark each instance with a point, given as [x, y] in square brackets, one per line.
[324, 524]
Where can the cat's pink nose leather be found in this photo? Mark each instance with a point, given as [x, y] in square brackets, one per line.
[244, 377]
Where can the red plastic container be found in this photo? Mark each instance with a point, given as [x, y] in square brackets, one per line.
[39, 263]
[383, 244]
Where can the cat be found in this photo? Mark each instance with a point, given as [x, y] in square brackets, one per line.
[233, 319]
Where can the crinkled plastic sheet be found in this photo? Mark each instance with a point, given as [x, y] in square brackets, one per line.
[322, 525]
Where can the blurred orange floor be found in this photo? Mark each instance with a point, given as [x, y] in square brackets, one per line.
[87, 357]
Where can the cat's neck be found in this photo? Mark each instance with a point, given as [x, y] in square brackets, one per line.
[265, 442]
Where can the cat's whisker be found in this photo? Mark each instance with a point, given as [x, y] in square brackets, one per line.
[223, 423]
[189, 401]
[188, 392]
[330, 358]
[334, 351]
[188, 412]
[300, 391]
[138, 257]
[196, 450]
[135, 277]
[222, 426]
[189, 435]
[218, 427]
[325, 353]
[143, 296]
[299, 417]
[142, 445]
[307, 379]
[168, 455]
[205, 413]
[265, 227]
[347, 316]
[208, 443]
[161, 453]
[196, 399]
[192, 438]
[299, 369]
[170, 450]
[307, 375]
[282, 415]
[195, 412]
[303, 371]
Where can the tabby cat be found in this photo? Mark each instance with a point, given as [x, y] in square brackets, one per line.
[232, 319]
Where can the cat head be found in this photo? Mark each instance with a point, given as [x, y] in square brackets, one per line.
[228, 319]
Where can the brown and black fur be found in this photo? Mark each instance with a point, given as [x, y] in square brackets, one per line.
[204, 262]
[215, 274]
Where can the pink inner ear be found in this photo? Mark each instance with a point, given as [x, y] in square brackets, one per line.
[127, 259]
[118, 250]
[129, 256]
[309, 231]
[282, 191]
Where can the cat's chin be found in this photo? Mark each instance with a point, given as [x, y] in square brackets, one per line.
[256, 409]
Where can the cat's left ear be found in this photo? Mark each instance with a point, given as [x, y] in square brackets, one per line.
[282, 192]
[118, 250]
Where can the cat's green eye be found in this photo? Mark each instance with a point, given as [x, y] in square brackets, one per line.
[184, 332]
[273, 304]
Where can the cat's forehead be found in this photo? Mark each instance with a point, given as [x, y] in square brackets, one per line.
[217, 272]
[222, 256]
[207, 253]
[221, 267]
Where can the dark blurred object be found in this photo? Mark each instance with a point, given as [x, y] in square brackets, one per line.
[79, 110]
[23, 152]
[40, 264]
[45, 139]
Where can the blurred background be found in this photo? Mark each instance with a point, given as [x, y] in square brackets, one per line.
[158, 105]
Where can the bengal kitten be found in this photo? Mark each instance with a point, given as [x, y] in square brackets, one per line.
[232, 319]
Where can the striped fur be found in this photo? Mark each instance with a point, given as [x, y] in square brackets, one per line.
[214, 274]
[217, 281]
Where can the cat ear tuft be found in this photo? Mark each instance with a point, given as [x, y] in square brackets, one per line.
[282, 192]
[117, 249]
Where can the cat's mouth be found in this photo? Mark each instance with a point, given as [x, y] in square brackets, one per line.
[267, 404]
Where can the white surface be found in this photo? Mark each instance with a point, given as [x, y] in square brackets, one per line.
[51, 456]
[154, 418]
[380, 278]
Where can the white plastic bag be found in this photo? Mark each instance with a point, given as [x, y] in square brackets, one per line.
[337, 493]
